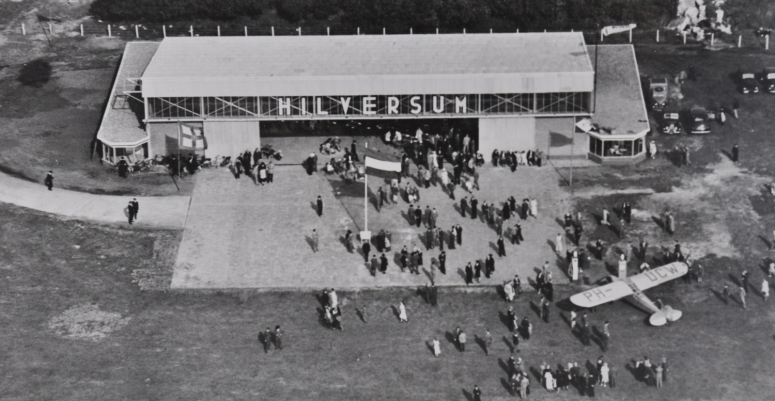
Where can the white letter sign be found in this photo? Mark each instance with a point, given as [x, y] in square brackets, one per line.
[284, 105]
[438, 106]
[416, 108]
[320, 110]
[368, 105]
[460, 105]
[345, 104]
[392, 105]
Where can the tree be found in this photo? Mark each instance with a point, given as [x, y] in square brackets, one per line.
[35, 73]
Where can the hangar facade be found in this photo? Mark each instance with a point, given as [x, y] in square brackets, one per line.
[523, 88]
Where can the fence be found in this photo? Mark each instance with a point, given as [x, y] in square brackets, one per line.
[742, 39]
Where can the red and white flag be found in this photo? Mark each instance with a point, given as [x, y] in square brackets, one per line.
[192, 137]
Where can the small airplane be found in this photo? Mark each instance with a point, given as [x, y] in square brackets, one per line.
[634, 286]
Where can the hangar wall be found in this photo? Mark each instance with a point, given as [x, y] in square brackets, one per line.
[506, 134]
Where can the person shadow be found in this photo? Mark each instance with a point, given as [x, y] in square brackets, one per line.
[505, 383]
[310, 242]
[511, 350]
[429, 344]
[536, 373]
[727, 154]
[659, 221]
[735, 281]
[468, 395]
[450, 337]
[597, 337]
[719, 295]
[480, 342]
[462, 273]
[494, 246]
[314, 206]
[630, 366]
[536, 309]
[359, 312]
[406, 217]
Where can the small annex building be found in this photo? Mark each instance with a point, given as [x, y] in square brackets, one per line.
[527, 90]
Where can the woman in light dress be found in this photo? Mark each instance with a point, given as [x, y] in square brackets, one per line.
[604, 378]
[508, 288]
[534, 208]
[402, 313]
[549, 379]
[436, 347]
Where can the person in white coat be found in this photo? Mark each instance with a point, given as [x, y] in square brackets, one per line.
[604, 377]
[765, 289]
[559, 245]
[534, 207]
[402, 313]
[436, 347]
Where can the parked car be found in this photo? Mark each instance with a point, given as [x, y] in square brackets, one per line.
[700, 120]
[671, 122]
[768, 78]
[748, 83]
[658, 90]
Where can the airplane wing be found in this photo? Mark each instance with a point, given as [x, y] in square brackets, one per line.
[659, 275]
[600, 295]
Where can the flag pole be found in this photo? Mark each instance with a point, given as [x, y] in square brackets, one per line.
[366, 198]
[180, 128]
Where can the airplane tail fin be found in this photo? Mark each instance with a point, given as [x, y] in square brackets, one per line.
[663, 316]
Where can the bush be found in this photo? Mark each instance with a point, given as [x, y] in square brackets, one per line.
[35, 73]
[166, 11]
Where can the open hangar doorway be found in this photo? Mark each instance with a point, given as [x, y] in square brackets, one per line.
[298, 138]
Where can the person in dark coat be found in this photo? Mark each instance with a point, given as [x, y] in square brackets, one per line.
[320, 206]
[506, 211]
[404, 258]
[418, 216]
[489, 265]
[526, 328]
[501, 247]
[383, 263]
[477, 393]
[525, 209]
[463, 205]
[735, 153]
[354, 152]
[474, 205]
[348, 241]
[517, 237]
[469, 274]
[374, 265]
[459, 231]
[256, 156]
[583, 384]
[477, 271]
[49, 180]
[443, 262]
[545, 311]
[366, 250]
[135, 208]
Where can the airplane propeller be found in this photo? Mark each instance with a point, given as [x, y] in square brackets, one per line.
[663, 316]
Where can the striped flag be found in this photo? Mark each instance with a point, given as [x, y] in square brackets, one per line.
[382, 161]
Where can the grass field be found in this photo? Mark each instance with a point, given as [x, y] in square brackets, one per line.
[65, 285]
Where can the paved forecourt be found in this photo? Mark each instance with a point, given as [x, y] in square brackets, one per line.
[240, 235]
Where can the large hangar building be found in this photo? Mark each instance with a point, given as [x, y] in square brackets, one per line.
[527, 90]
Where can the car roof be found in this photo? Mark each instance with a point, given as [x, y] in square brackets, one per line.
[658, 80]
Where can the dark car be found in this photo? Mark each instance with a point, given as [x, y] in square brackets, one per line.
[748, 83]
[768, 79]
[671, 122]
[700, 120]
[658, 92]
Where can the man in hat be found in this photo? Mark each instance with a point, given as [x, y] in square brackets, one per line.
[383, 263]
[320, 206]
[735, 153]
[501, 247]
[278, 337]
[267, 339]
[443, 262]
[354, 152]
[135, 208]
[49, 180]
[459, 231]
[463, 205]
[315, 240]
[474, 205]
[489, 265]
[130, 212]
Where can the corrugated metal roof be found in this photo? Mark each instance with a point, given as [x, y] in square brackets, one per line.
[620, 103]
[369, 64]
[121, 125]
